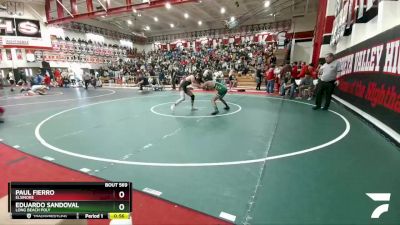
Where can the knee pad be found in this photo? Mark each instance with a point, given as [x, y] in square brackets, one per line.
[192, 97]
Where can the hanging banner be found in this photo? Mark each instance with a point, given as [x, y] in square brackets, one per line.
[19, 27]
[370, 77]
[22, 32]
[339, 25]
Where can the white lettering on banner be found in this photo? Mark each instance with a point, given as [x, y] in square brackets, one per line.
[392, 61]
[358, 62]
[7, 26]
[379, 54]
[395, 68]
[372, 59]
[347, 64]
[19, 27]
[28, 28]
[16, 42]
[389, 57]
[368, 60]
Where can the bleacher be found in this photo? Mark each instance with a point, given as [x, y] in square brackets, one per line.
[246, 82]
[249, 81]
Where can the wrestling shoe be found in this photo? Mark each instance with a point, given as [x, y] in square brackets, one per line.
[227, 108]
[173, 107]
[215, 112]
[316, 107]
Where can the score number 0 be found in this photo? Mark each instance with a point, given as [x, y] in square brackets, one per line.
[121, 194]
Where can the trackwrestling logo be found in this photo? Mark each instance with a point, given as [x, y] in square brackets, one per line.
[379, 197]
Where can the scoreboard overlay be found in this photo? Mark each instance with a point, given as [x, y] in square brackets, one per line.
[70, 200]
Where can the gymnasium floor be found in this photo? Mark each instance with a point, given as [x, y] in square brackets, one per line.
[266, 161]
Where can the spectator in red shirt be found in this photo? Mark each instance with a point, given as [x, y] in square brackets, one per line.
[270, 79]
[294, 70]
[312, 71]
[304, 70]
[58, 78]
[47, 80]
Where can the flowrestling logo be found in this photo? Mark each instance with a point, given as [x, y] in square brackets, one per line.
[379, 197]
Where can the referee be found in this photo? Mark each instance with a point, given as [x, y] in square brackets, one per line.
[327, 81]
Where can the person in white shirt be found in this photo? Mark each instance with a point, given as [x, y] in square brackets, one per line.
[327, 81]
[72, 77]
[11, 79]
[86, 79]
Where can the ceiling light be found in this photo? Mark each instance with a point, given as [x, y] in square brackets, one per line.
[101, 17]
[232, 18]
[266, 4]
[146, 28]
[186, 15]
[200, 22]
[167, 5]
[139, 14]
[134, 11]
[172, 25]
[129, 22]
[222, 10]
[156, 19]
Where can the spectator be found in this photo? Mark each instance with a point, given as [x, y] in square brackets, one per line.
[287, 86]
[270, 79]
[47, 80]
[272, 60]
[72, 78]
[58, 78]
[232, 79]
[306, 85]
[86, 79]
[312, 70]
[38, 79]
[303, 71]
[277, 72]
[161, 77]
[258, 78]
[66, 81]
[93, 81]
[295, 69]
[11, 80]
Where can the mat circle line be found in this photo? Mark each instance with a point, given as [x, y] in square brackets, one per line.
[152, 109]
[228, 163]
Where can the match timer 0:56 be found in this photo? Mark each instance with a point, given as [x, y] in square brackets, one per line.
[119, 216]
